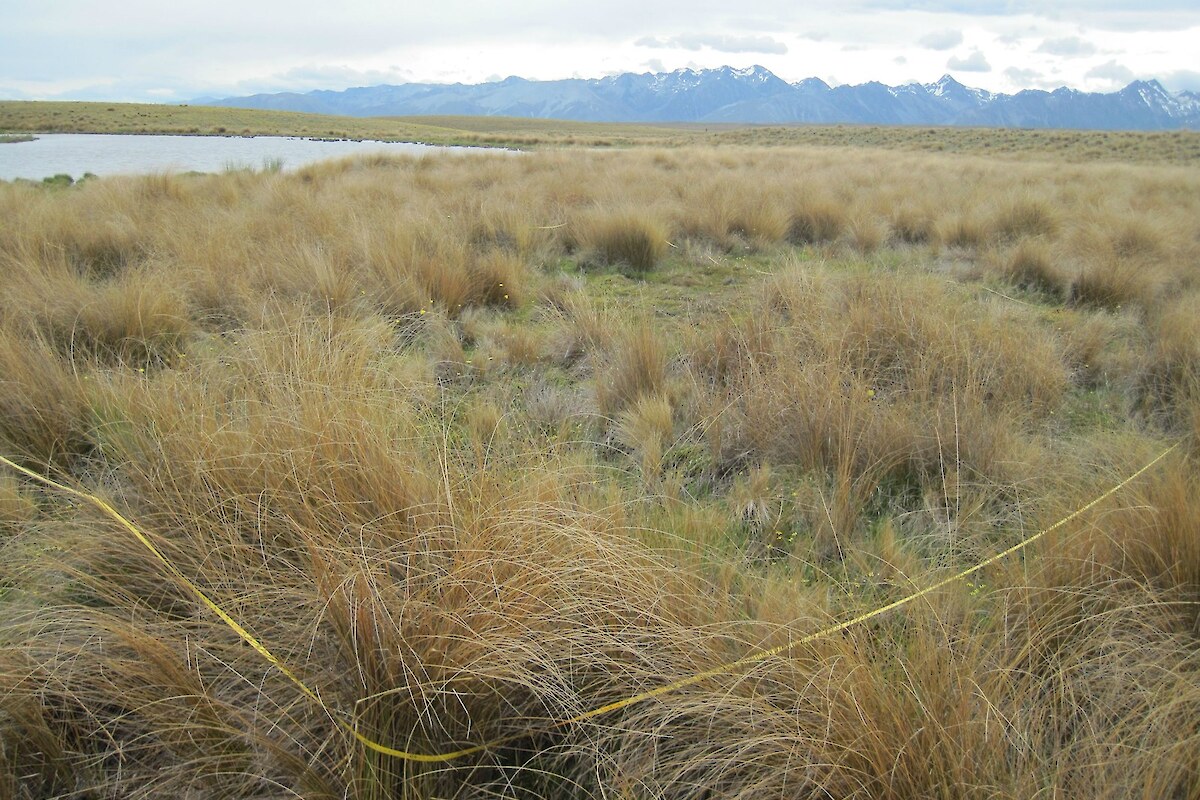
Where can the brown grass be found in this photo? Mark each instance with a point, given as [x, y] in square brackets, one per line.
[623, 238]
[1032, 265]
[43, 407]
[815, 221]
[388, 416]
[1058, 146]
[1021, 215]
[637, 367]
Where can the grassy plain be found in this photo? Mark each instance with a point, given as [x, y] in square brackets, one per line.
[476, 444]
[82, 117]
[1173, 147]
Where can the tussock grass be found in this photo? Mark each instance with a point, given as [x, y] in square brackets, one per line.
[1114, 283]
[913, 224]
[878, 380]
[867, 234]
[961, 231]
[386, 415]
[1171, 375]
[637, 367]
[43, 406]
[1032, 265]
[624, 238]
[16, 506]
[1020, 215]
[815, 221]
[646, 429]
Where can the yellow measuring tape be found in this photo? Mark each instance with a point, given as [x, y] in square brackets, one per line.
[732, 666]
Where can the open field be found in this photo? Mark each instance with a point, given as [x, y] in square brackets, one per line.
[80, 117]
[1175, 147]
[476, 444]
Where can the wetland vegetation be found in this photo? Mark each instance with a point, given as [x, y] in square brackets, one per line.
[476, 445]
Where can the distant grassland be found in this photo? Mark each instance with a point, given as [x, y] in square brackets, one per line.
[55, 117]
[1175, 147]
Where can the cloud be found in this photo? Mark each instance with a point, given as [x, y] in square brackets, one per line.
[722, 43]
[900, 60]
[1117, 15]
[1069, 46]
[655, 65]
[77, 48]
[1111, 71]
[1023, 77]
[941, 40]
[1181, 80]
[324, 75]
[976, 62]
[1028, 78]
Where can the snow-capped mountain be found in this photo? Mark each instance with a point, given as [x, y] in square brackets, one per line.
[756, 95]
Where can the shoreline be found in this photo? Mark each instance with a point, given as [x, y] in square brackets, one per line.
[68, 154]
[35, 136]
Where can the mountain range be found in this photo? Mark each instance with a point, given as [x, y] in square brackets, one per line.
[752, 95]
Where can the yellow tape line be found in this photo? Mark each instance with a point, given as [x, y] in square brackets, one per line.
[732, 666]
[237, 628]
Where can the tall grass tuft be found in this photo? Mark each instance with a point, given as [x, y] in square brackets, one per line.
[43, 403]
[1032, 265]
[1170, 380]
[1022, 215]
[636, 367]
[816, 221]
[624, 237]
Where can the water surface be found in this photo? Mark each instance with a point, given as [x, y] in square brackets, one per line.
[126, 154]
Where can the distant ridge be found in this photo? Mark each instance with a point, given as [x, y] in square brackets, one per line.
[752, 95]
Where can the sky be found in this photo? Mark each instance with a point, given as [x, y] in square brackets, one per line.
[155, 51]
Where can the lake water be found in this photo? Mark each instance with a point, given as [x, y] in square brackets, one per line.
[114, 154]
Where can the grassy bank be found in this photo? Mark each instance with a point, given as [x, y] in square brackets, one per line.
[82, 117]
[478, 444]
[1173, 147]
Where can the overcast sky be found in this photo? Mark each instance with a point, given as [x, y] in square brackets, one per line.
[176, 51]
